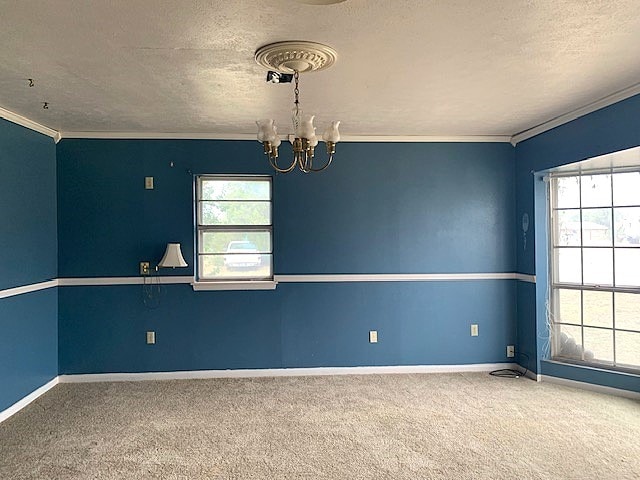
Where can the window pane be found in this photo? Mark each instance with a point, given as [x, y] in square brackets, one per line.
[251, 266]
[627, 267]
[568, 230]
[598, 345]
[628, 349]
[569, 342]
[568, 265]
[628, 311]
[598, 266]
[626, 188]
[239, 241]
[568, 306]
[214, 189]
[235, 213]
[596, 227]
[627, 226]
[598, 308]
[567, 192]
[595, 190]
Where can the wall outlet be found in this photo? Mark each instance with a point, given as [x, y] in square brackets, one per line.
[474, 329]
[144, 268]
[373, 336]
[511, 351]
[148, 183]
[151, 338]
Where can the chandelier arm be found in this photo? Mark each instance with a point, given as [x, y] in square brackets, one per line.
[315, 170]
[301, 162]
[274, 165]
[308, 163]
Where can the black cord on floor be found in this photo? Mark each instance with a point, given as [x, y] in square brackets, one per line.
[511, 372]
[507, 373]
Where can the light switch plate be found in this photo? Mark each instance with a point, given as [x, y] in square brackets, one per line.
[151, 338]
[474, 329]
[373, 336]
[148, 183]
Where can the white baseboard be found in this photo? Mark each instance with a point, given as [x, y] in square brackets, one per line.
[280, 372]
[591, 387]
[20, 404]
[532, 375]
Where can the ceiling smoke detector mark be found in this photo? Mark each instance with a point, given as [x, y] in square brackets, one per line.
[296, 56]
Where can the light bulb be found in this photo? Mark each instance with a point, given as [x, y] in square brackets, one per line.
[305, 128]
[332, 134]
[266, 130]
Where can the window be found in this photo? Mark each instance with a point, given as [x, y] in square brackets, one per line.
[595, 260]
[234, 228]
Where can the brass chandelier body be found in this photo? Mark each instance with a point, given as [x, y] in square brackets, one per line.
[297, 57]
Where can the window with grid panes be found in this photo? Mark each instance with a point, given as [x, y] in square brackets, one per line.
[595, 269]
[234, 228]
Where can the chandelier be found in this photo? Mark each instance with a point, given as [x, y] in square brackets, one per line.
[296, 58]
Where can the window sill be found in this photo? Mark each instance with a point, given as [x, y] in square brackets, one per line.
[248, 285]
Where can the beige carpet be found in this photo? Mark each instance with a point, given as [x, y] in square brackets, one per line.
[454, 426]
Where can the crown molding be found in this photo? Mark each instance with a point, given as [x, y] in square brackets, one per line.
[159, 136]
[513, 139]
[30, 124]
[427, 138]
[252, 137]
[577, 113]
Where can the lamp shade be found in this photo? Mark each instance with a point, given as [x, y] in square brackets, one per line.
[172, 257]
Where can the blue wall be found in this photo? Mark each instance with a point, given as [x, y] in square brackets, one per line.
[380, 208]
[27, 206]
[604, 131]
[28, 240]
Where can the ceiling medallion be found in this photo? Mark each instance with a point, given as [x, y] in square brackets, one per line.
[297, 57]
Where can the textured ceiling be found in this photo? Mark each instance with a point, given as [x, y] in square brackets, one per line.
[405, 67]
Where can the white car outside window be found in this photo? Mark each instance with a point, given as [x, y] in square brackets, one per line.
[242, 254]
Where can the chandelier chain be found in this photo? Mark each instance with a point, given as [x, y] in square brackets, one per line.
[296, 103]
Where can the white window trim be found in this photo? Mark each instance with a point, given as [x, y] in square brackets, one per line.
[200, 285]
[554, 285]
